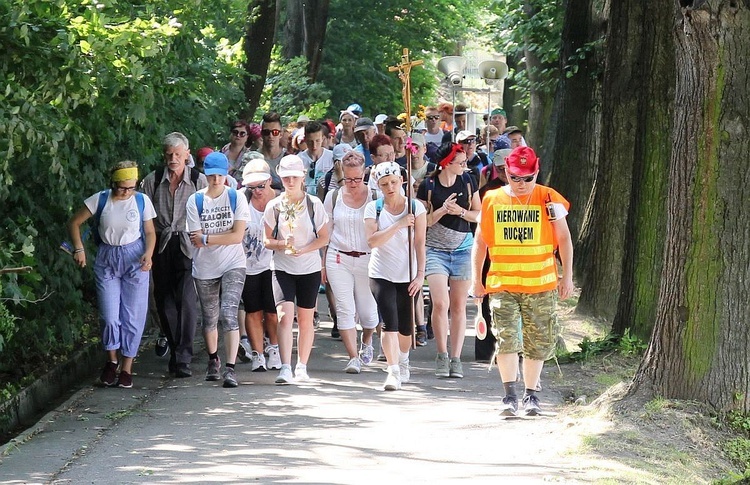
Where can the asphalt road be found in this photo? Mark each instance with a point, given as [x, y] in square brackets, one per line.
[338, 428]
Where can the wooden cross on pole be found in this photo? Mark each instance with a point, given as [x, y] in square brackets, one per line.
[404, 70]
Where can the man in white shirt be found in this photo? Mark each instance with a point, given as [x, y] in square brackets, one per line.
[317, 159]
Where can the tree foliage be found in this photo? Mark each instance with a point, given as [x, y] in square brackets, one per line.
[85, 85]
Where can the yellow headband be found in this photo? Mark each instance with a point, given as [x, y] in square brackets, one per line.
[125, 174]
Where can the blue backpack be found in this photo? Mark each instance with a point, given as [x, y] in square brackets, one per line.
[103, 196]
[232, 200]
[379, 208]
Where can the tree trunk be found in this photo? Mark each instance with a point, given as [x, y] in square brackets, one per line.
[259, 39]
[540, 105]
[294, 30]
[316, 20]
[701, 337]
[644, 240]
[516, 114]
[572, 144]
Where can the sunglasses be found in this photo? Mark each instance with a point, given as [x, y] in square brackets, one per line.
[468, 142]
[433, 117]
[355, 180]
[239, 133]
[125, 189]
[273, 132]
[257, 187]
[516, 178]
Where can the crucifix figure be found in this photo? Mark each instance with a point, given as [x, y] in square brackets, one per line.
[404, 70]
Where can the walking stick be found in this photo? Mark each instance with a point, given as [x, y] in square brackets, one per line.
[404, 69]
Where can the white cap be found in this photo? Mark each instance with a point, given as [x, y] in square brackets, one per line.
[380, 119]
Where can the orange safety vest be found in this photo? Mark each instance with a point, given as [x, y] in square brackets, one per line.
[520, 240]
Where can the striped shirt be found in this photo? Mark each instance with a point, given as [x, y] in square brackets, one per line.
[170, 210]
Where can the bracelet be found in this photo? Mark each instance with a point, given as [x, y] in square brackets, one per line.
[463, 213]
[79, 250]
[204, 239]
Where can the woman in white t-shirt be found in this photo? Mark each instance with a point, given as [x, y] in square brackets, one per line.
[216, 232]
[296, 229]
[346, 261]
[123, 222]
[257, 296]
[386, 224]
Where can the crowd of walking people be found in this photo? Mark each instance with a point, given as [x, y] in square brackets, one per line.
[243, 239]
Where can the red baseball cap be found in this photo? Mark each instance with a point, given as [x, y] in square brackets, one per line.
[522, 161]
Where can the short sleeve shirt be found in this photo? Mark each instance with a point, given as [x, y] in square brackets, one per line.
[119, 221]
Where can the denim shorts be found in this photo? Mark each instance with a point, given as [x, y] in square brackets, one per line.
[456, 265]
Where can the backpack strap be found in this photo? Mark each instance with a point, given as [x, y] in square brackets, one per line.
[103, 196]
[430, 181]
[378, 208]
[141, 203]
[199, 203]
[311, 213]
[232, 200]
[194, 176]
[335, 196]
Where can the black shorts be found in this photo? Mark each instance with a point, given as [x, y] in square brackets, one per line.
[302, 287]
[258, 293]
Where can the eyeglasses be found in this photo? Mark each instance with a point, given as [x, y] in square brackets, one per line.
[516, 178]
[125, 189]
[239, 133]
[433, 117]
[355, 180]
[257, 187]
[273, 132]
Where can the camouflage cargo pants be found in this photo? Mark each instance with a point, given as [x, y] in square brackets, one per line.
[539, 329]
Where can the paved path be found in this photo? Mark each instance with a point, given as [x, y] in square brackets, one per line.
[339, 428]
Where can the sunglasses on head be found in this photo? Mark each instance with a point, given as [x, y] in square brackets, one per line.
[273, 132]
[516, 178]
[239, 133]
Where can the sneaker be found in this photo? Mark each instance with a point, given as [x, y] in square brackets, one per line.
[172, 364]
[244, 352]
[354, 366]
[274, 359]
[230, 378]
[442, 366]
[125, 380]
[266, 342]
[392, 382]
[316, 320]
[531, 405]
[285, 376]
[421, 336]
[258, 362]
[183, 370]
[509, 406]
[109, 374]
[366, 354]
[430, 332]
[300, 373]
[335, 334]
[213, 370]
[455, 368]
[405, 372]
[162, 347]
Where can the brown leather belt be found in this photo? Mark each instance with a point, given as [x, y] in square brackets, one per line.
[353, 254]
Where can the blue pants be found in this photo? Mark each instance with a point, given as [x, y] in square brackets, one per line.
[122, 291]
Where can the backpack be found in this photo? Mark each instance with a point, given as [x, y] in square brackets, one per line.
[310, 211]
[103, 196]
[373, 196]
[232, 200]
[379, 208]
[194, 174]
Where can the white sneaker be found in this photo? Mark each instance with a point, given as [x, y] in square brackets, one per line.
[366, 354]
[274, 360]
[300, 373]
[354, 366]
[258, 362]
[392, 382]
[285, 376]
[244, 352]
[405, 371]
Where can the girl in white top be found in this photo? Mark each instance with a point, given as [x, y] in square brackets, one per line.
[296, 238]
[218, 262]
[386, 224]
[347, 258]
[121, 268]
